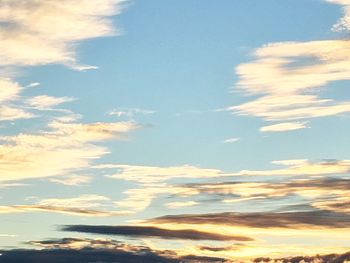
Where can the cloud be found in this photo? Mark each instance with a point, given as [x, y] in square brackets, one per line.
[33, 85]
[129, 112]
[331, 258]
[219, 249]
[340, 204]
[292, 220]
[83, 255]
[46, 31]
[46, 102]
[344, 22]
[152, 180]
[153, 174]
[140, 198]
[153, 232]
[303, 167]
[286, 126]
[85, 205]
[11, 114]
[231, 140]
[8, 185]
[175, 205]
[98, 250]
[321, 193]
[64, 148]
[7, 235]
[72, 180]
[9, 90]
[106, 250]
[287, 77]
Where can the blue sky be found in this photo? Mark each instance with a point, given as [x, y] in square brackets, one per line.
[118, 113]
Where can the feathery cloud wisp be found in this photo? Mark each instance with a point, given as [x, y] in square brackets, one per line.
[285, 126]
[66, 147]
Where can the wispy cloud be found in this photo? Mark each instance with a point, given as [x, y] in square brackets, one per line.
[33, 85]
[230, 140]
[72, 180]
[85, 205]
[154, 174]
[155, 182]
[293, 220]
[46, 102]
[10, 93]
[303, 167]
[286, 126]
[62, 149]
[138, 199]
[129, 112]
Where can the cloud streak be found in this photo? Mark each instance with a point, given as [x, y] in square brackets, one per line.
[153, 232]
[85, 205]
[293, 220]
[285, 126]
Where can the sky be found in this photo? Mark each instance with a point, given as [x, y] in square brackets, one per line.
[174, 131]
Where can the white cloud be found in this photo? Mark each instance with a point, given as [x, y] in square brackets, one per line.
[46, 102]
[138, 199]
[46, 31]
[288, 86]
[230, 140]
[153, 174]
[7, 235]
[288, 76]
[85, 205]
[65, 148]
[344, 22]
[84, 201]
[8, 113]
[9, 90]
[302, 167]
[33, 85]
[129, 112]
[72, 180]
[286, 126]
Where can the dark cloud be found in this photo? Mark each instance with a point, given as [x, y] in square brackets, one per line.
[223, 188]
[80, 256]
[219, 249]
[203, 259]
[79, 250]
[96, 250]
[152, 232]
[332, 258]
[325, 219]
[68, 242]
